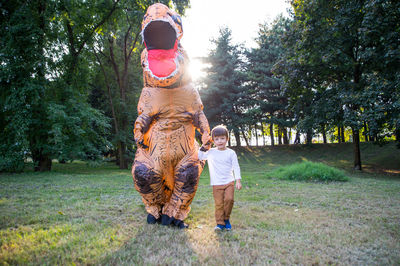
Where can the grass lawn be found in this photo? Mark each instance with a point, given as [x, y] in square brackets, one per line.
[82, 215]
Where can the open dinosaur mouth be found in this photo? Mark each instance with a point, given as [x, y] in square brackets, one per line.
[161, 43]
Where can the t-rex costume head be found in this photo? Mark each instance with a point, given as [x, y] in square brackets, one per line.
[163, 60]
[166, 169]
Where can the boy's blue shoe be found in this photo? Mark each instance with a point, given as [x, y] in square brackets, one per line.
[228, 225]
[219, 227]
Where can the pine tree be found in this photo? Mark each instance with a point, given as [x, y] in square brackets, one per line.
[268, 99]
[222, 91]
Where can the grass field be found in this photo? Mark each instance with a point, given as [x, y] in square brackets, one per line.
[82, 215]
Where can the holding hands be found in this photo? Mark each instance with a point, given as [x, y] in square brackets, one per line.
[207, 141]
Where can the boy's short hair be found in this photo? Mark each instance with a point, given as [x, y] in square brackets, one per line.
[219, 130]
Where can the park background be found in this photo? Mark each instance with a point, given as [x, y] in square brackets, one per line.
[319, 83]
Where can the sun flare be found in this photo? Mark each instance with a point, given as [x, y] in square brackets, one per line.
[196, 69]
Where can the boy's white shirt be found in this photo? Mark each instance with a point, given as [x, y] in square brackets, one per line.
[223, 165]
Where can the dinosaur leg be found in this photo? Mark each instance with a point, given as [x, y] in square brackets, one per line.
[187, 173]
[148, 182]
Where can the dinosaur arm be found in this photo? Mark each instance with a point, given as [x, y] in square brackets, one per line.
[142, 124]
[145, 115]
[204, 128]
[200, 121]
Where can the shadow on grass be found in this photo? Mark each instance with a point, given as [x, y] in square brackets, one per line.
[153, 245]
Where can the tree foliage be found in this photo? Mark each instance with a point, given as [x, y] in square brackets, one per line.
[223, 88]
[49, 78]
[269, 101]
[332, 66]
[70, 77]
[338, 49]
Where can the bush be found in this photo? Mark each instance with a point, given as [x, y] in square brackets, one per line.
[309, 171]
[11, 158]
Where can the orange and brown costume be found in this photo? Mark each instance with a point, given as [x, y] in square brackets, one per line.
[166, 169]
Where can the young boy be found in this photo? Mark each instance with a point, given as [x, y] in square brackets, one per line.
[221, 162]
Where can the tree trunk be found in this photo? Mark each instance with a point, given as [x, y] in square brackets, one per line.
[285, 136]
[245, 138]
[121, 77]
[297, 138]
[338, 135]
[356, 132]
[309, 136]
[123, 160]
[324, 134]
[356, 148]
[342, 134]
[114, 116]
[263, 133]
[271, 131]
[41, 161]
[44, 165]
[117, 156]
[237, 137]
[279, 135]
[123, 163]
[120, 151]
[365, 132]
[397, 134]
[255, 130]
[229, 139]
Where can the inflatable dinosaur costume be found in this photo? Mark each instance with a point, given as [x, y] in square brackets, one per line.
[166, 169]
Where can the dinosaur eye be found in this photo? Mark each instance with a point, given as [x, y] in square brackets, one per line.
[177, 19]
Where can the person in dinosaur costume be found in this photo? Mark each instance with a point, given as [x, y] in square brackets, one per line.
[166, 169]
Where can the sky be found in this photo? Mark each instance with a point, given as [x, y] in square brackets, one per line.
[204, 18]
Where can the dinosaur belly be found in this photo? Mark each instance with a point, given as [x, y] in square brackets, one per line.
[170, 139]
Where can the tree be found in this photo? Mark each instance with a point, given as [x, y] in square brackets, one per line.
[269, 102]
[117, 56]
[297, 83]
[21, 86]
[117, 51]
[44, 111]
[337, 53]
[222, 90]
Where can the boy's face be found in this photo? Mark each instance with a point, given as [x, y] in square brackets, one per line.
[220, 142]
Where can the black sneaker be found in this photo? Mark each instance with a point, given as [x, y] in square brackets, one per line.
[151, 219]
[180, 224]
[166, 220]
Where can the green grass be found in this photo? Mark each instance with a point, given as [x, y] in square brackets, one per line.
[309, 171]
[82, 215]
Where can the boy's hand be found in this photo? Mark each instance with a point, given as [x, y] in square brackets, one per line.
[238, 184]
